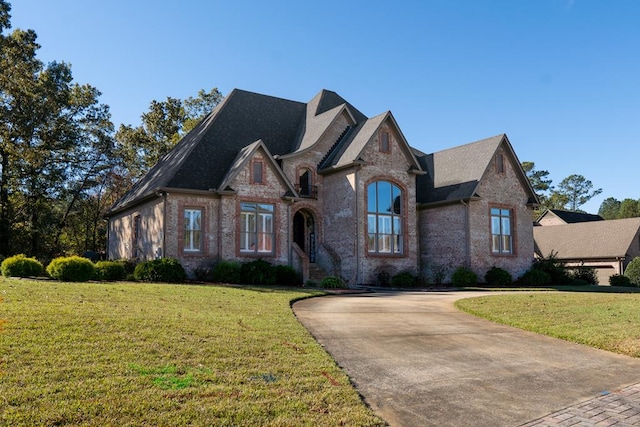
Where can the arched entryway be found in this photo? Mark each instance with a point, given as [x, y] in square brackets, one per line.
[304, 233]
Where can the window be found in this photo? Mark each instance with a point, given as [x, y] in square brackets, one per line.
[192, 230]
[137, 238]
[385, 145]
[501, 234]
[384, 220]
[257, 173]
[499, 163]
[256, 228]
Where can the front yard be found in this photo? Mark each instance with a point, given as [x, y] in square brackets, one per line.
[164, 355]
[601, 319]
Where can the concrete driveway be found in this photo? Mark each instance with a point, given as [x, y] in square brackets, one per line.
[418, 361]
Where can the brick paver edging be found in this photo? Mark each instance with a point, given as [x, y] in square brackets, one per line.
[615, 408]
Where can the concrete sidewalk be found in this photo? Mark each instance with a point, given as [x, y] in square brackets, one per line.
[419, 361]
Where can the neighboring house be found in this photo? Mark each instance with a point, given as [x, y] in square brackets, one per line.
[320, 185]
[608, 246]
[560, 217]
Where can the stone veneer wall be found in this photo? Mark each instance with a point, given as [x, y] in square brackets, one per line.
[120, 237]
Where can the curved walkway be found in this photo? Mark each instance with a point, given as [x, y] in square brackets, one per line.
[418, 361]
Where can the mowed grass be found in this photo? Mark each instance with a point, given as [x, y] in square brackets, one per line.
[136, 354]
[609, 321]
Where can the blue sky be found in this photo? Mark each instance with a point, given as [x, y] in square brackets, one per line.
[559, 77]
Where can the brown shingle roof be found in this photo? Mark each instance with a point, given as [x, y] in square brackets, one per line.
[584, 240]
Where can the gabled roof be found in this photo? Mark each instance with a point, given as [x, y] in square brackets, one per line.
[350, 150]
[201, 160]
[245, 155]
[588, 240]
[570, 217]
[454, 174]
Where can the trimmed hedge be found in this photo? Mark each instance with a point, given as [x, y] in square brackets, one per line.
[227, 272]
[587, 274]
[287, 276]
[258, 272]
[620, 280]
[498, 277]
[332, 282]
[464, 277]
[535, 278]
[403, 280]
[109, 270]
[21, 266]
[166, 270]
[71, 269]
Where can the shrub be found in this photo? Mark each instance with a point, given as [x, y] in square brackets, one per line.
[535, 278]
[258, 272]
[129, 265]
[109, 270]
[384, 277]
[332, 282]
[21, 266]
[167, 270]
[227, 272]
[554, 267]
[464, 277]
[619, 280]
[587, 274]
[71, 269]
[287, 276]
[632, 272]
[403, 280]
[498, 277]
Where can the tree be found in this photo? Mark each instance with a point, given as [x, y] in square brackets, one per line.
[577, 191]
[629, 208]
[55, 139]
[540, 184]
[609, 208]
[162, 127]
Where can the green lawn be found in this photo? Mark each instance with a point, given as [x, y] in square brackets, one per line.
[606, 320]
[164, 355]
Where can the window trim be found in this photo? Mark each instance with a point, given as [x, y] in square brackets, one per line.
[383, 149]
[245, 236]
[254, 176]
[512, 235]
[204, 230]
[396, 238]
[191, 248]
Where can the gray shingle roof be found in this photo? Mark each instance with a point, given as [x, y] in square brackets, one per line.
[454, 174]
[583, 240]
[202, 158]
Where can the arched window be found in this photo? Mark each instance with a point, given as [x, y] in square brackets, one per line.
[384, 218]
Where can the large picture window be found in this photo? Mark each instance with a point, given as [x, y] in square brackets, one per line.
[501, 233]
[384, 218]
[256, 228]
[192, 230]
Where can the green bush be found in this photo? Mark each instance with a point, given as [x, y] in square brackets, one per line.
[129, 265]
[383, 276]
[287, 276]
[587, 274]
[21, 266]
[403, 280]
[555, 268]
[464, 277]
[619, 280]
[258, 272]
[498, 277]
[227, 272]
[632, 272]
[535, 278]
[71, 269]
[109, 270]
[166, 270]
[332, 282]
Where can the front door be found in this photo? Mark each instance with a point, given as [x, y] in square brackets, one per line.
[304, 233]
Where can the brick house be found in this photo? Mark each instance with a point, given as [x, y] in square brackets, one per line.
[319, 185]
